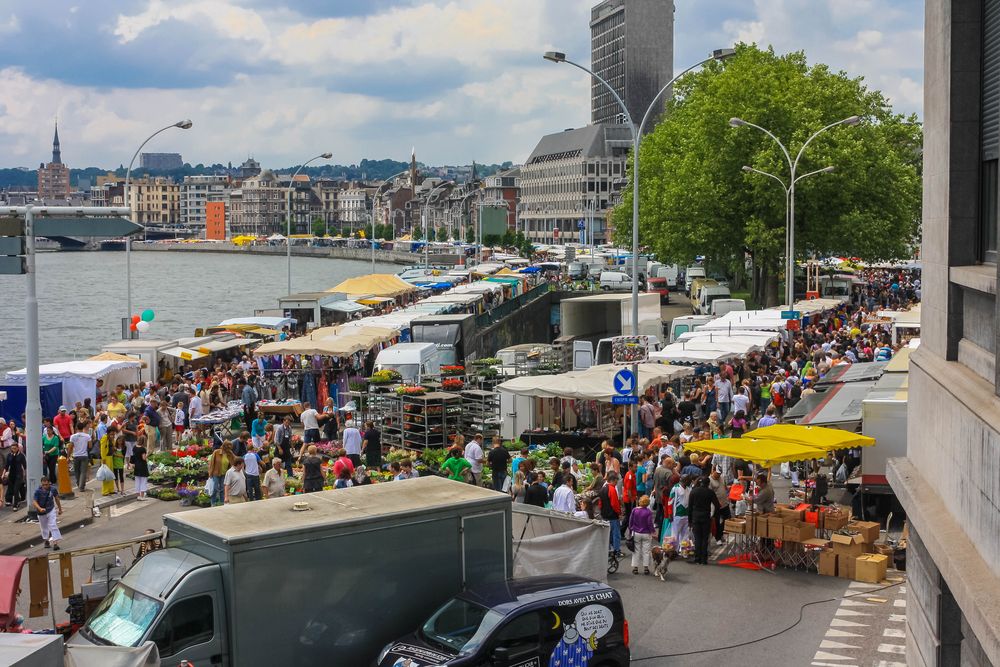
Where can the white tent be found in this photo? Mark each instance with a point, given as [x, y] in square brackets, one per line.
[704, 351]
[594, 384]
[79, 378]
[260, 321]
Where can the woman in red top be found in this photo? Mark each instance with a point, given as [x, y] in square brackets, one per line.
[630, 496]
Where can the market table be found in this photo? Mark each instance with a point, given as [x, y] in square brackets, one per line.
[289, 407]
[222, 419]
[589, 444]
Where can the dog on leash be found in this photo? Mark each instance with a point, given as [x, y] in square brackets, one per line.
[661, 561]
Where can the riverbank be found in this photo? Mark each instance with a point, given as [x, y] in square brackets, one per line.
[359, 254]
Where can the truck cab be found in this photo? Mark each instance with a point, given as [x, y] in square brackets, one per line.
[554, 619]
[690, 274]
[413, 361]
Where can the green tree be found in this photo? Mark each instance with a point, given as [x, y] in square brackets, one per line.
[470, 234]
[417, 233]
[442, 234]
[695, 199]
[318, 226]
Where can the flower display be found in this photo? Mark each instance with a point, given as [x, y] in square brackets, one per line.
[385, 376]
[452, 384]
[411, 390]
[452, 370]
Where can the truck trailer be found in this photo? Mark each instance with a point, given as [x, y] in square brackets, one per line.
[325, 578]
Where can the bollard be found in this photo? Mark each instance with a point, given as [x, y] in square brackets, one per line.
[64, 486]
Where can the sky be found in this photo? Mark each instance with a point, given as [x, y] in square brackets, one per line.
[456, 80]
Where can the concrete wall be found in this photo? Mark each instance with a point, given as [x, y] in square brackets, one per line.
[528, 325]
[387, 256]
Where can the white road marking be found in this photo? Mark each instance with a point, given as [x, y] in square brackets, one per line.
[847, 602]
[891, 648]
[899, 603]
[823, 655]
[831, 664]
[898, 618]
[848, 612]
[840, 633]
[902, 590]
[826, 643]
[841, 623]
[893, 632]
[888, 663]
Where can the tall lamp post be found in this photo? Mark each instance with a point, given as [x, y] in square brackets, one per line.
[557, 57]
[427, 205]
[288, 213]
[182, 125]
[793, 166]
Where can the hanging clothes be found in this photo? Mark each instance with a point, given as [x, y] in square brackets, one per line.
[308, 392]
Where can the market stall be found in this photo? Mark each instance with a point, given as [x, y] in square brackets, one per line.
[79, 378]
[576, 403]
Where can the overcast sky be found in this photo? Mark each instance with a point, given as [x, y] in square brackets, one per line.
[456, 79]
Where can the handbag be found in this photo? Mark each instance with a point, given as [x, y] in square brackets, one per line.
[630, 540]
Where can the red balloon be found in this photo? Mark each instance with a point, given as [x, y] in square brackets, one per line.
[132, 327]
[135, 319]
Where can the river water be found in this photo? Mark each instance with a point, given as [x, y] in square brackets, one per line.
[81, 295]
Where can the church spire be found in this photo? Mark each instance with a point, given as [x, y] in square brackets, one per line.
[413, 168]
[56, 153]
[473, 177]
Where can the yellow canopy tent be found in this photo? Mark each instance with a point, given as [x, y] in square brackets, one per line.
[817, 437]
[761, 451]
[375, 284]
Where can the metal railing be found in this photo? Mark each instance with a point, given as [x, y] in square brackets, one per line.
[510, 307]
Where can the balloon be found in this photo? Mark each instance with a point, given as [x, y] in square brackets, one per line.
[135, 319]
[132, 327]
[148, 315]
[143, 326]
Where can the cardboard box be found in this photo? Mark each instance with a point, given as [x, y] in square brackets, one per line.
[775, 527]
[869, 530]
[834, 518]
[885, 550]
[790, 512]
[870, 568]
[828, 563]
[847, 545]
[816, 543]
[735, 526]
[845, 566]
[760, 525]
[798, 531]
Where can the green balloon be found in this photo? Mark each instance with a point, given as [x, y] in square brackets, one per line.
[148, 315]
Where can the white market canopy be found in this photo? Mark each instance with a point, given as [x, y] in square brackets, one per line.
[79, 378]
[594, 384]
[260, 321]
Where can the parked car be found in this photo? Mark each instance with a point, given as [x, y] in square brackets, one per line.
[615, 280]
[659, 286]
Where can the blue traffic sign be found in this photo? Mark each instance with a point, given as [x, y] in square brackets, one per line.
[791, 315]
[624, 400]
[624, 382]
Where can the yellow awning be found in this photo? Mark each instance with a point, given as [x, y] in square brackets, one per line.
[813, 436]
[373, 300]
[376, 284]
[758, 450]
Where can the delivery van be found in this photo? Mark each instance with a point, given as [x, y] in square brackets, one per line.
[688, 323]
[708, 295]
[690, 274]
[697, 285]
[615, 280]
[722, 306]
[547, 620]
[670, 272]
[414, 361]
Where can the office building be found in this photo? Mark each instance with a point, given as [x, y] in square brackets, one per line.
[949, 480]
[160, 161]
[632, 48]
[568, 173]
[155, 201]
[196, 192]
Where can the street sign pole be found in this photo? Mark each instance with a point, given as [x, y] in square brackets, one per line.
[55, 221]
[33, 405]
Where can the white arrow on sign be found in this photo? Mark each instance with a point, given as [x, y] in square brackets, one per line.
[626, 384]
[624, 380]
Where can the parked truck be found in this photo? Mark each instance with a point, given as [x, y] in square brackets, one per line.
[324, 579]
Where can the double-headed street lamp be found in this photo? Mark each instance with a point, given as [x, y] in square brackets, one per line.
[427, 206]
[181, 125]
[288, 216]
[793, 166]
[557, 57]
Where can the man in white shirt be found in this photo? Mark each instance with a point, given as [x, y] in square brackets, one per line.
[195, 406]
[741, 402]
[474, 455]
[352, 442]
[563, 499]
[79, 444]
[310, 424]
[235, 484]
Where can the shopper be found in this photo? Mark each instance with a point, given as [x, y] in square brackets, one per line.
[274, 480]
[535, 494]
[251, 468]
[140, 466]
[16, 472]
[312, 475]
[455, 466]
[310, 424]
[235, 484]
[611, 510]
[564, 498]
[499, 458]
[218, 465]
[371, 444]
[352, 442]
[48, 508]
[641, 524]
[51, 449]
[701, 502]
[474, 455]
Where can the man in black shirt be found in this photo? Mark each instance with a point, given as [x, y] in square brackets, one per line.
[372, 446]
[686, 408]
[700, 504]
[536, 494]
[499, 460]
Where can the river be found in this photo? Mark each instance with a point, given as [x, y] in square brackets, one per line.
[81, 295]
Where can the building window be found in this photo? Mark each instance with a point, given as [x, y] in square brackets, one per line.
[988, 211]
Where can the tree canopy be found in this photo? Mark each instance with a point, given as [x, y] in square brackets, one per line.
[696, 200]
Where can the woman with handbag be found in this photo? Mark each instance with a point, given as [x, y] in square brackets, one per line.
[640, 525]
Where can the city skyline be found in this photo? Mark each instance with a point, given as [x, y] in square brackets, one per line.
[459, 81]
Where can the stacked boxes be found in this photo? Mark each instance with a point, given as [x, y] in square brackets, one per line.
[736, 526]
[871, 568]
[828, 563]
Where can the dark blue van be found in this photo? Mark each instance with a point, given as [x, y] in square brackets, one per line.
[548, 621]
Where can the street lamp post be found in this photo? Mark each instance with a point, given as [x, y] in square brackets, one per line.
[557, 57]
[288, 213]
[426, 211]
[182, 125]
[793, 166]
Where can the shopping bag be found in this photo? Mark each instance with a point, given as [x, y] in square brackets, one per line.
[104, 474]
[210, 486]
[506, 484]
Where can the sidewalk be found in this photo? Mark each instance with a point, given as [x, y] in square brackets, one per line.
[16, 535]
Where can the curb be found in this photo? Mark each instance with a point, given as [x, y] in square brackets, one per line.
[13, 548]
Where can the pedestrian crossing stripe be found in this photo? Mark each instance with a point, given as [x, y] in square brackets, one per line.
[893, 632]
[823, 655]
[840, 633]
[848, 612]
[854, 603]
[891, 648]
[839, 622]
[898, 618]
[827, 643]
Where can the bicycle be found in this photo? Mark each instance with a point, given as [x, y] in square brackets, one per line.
[614, 558]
